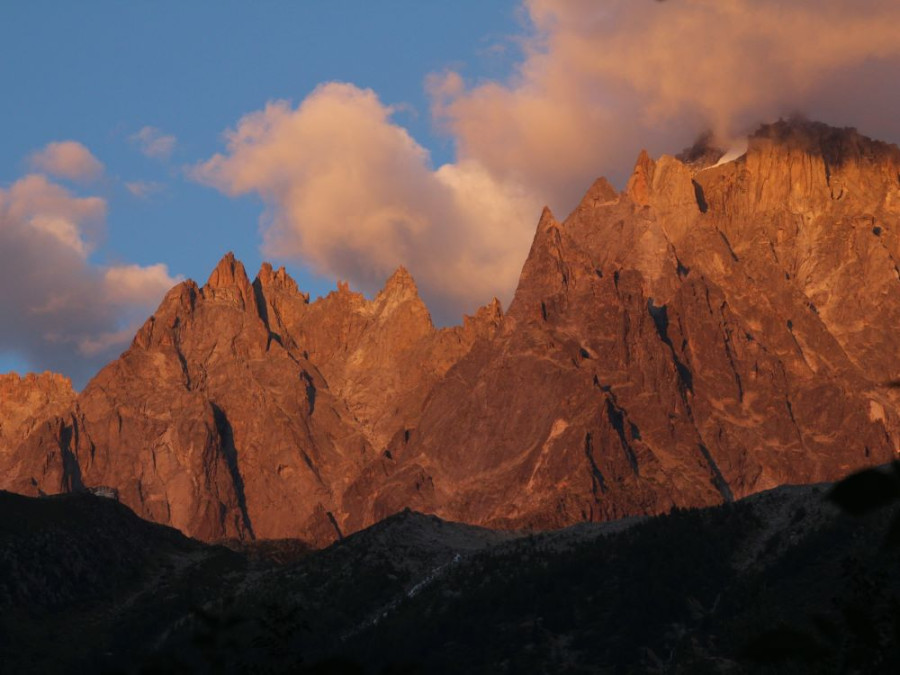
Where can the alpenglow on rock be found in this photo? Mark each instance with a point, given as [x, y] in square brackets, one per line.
[714, 330]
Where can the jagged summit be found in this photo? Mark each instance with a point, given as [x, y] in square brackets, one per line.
[228, 272]
[704, 152]
[400, 283]
[835, 143]
[638, 187]
[547, 218]
[229, 282]
[268, 278]
[601, 192]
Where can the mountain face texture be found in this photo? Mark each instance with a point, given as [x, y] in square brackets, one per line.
[709, 333]
[217, 422]
[715, 330]
[27, 401]
[26, 405]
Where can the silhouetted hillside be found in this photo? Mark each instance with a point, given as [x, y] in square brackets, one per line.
[778, 582]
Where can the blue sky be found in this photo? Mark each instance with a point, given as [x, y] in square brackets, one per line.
[365, 135]
[98, 72]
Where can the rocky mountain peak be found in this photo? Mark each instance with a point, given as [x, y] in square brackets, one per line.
[547, 220]
[400, 283]
[837, 144]
[279, 279]
[717, 329]
[46, 381]
[228, 272]
[486, 320]
[399, 305]
[600, 193]
[27, 400]
[400, 300]
[704, 152]
[639, 185]
[664, 183]
[229, 281]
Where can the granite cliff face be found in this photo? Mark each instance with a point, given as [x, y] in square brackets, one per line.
[26, 405]
[709, 333]
[219, 422]
[27, 401]
[716, 329]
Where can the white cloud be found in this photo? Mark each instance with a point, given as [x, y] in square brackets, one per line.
[154, 143]
[67, 159]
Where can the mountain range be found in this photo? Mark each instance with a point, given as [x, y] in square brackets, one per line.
[715, 330]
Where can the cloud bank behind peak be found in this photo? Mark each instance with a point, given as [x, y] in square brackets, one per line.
[350, 192]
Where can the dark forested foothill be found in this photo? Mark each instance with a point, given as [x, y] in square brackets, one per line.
[783, 581]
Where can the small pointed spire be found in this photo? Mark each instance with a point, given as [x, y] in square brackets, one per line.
[399, 280]
[600, 192]
[280, 279]
[229, 272]
[547, 220]
[229, 280]
[641, 179]
[399, 287]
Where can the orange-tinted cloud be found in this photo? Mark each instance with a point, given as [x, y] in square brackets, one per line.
[67, 159]
[600, 80]
[351, 193]
[127, 285]
[60, 310]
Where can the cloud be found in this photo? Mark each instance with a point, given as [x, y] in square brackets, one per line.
[61, 311]
[67, 159]
[154, 143]
[142, 189]
[127, 285]
[352, 194]
[601, 80]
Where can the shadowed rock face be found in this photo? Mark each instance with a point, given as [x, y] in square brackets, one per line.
[712, 331]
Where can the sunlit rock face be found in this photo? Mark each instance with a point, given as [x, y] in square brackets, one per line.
[723, 325]
[713, 331]
[27, 401]
[241, 410]
[26, 405]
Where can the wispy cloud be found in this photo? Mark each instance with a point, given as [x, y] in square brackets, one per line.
[142, 189]
[67, 159]
[154, 143]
